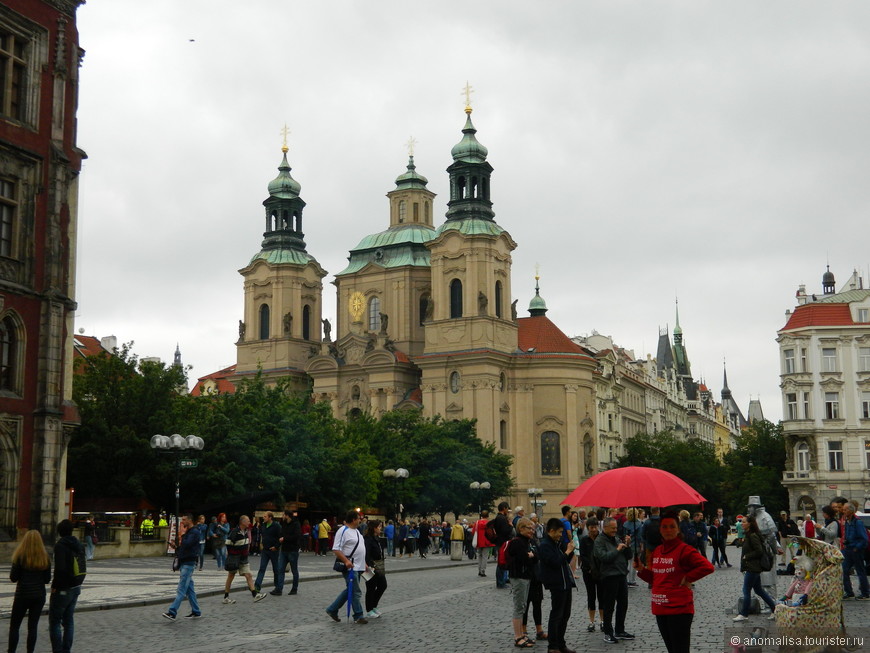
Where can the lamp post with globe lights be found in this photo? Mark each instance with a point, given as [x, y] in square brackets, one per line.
[178, 444]
[398, 477]
[477, 488]
[535, 493]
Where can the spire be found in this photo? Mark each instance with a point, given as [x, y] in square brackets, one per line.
[678, 331]
[177, 360]
[726, 391]
[537, 307]
[284, 209]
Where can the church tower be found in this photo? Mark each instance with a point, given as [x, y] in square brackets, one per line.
[283, 291]
[471, 260]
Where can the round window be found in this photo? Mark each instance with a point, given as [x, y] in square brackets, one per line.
[454, 382]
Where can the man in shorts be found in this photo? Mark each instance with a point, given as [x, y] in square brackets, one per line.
[238, 544]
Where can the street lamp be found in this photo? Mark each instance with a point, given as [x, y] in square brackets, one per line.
[477, 487]
[397, 476]
[177, 444]
[534, 494]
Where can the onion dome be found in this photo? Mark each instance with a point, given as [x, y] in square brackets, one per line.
[469, 149]
[284, 186]
[537, 306]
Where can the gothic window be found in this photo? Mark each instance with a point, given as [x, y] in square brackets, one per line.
[402, 210]
[264, 322]
[375, 314]
[9, 355]
[306, 322]
[551, 458]
[8, 216]
[455, 298]
[498, 298]
[502, 434]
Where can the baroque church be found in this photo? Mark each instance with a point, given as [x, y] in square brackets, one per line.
[425, 320]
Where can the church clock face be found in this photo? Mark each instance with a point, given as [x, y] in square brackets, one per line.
[355, 305]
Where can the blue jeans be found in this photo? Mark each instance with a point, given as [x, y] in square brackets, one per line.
[267, 557]
[185, 589]
[61, 608]
[201, 558]
[752, 582]
[501, 577]
[220, 554]
[852, 558]
[285, 558]
[89, 547]
[391, 547]
[356, 597]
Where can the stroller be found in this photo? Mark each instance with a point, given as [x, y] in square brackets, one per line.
[823, 612]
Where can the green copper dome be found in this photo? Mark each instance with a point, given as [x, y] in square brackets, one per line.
[469, 149]
[396, 247]
[537, 306]
[284, 186]
[471, 227]
[411, 179]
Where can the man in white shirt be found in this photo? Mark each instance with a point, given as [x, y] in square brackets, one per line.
[350, 549]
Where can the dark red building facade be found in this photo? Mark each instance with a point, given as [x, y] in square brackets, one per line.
[39, 171]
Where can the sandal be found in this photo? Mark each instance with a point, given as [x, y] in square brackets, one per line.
[523, 642]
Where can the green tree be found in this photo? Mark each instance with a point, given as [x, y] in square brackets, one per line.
[755, 467]
[692, 460]
[122, 402]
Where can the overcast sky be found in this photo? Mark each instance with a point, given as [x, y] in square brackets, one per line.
[715, 152]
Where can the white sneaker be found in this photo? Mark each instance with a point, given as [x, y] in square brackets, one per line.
[228, 601]
[372, 614]
[772, 616]
[740, 617]
[378, 611]
[259, 597]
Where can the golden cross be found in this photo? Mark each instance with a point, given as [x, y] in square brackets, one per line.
[284, 133]
[411, 143]
[467, 93]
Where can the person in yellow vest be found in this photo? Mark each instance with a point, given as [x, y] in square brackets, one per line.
[323, 530]
[162, 523]
[147, 527]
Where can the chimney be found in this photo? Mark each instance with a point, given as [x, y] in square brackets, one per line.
[109, 343]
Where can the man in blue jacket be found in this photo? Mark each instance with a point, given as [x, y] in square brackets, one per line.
[188, 552]
[854, 545]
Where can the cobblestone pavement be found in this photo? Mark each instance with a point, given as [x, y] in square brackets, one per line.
[438, 605]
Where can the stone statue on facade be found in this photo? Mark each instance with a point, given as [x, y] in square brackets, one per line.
[514, 310]
[288, 322]
[327, 330]
[482, 303]
[384, 321]
[241, 330]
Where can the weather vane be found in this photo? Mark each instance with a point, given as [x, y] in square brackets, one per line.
[467, 91]
[284, 133]
[537, 271]
[411, 143]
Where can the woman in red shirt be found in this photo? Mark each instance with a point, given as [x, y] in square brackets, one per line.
[675, 566]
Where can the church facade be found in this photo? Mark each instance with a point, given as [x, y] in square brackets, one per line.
[425, 320]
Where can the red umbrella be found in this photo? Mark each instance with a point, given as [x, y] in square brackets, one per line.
[633, 486]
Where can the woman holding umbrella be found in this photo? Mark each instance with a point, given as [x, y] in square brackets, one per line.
[675, 566]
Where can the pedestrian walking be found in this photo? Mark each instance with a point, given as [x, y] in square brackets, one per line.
[521, 561]
[270, 536]
[187, 554]
[590, 572]
[323, 530]
[291, 541]
[377, 584]
[556, 576]
[423, 534]
[482, 545]
[31, 572]
[675, 566]
[750, 565]
[350, 549]
[69, 573]
[854, 546]
[90, 536]
[612, 556]
[719, 540]
[390, 534]
[238, 548]
[219, 540]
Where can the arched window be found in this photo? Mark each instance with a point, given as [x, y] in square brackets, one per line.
[8, 355]
[460, 188]
[498, 298]
[426, 212]
[416, 211]
[502, 434]
[551, 458]
[264, 322]
[306, 322]
[375, 314]
[456, 298]
[402, 210]
[802, 457]
[473, 192]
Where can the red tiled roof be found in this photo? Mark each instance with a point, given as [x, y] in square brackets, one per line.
[88, 346]
[819, 314]
[222, 385]
[544, 337]
[401, 356]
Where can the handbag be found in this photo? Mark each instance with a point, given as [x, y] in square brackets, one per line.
[176, 563]
[232, 562]
[338, 565]
[474, 540]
